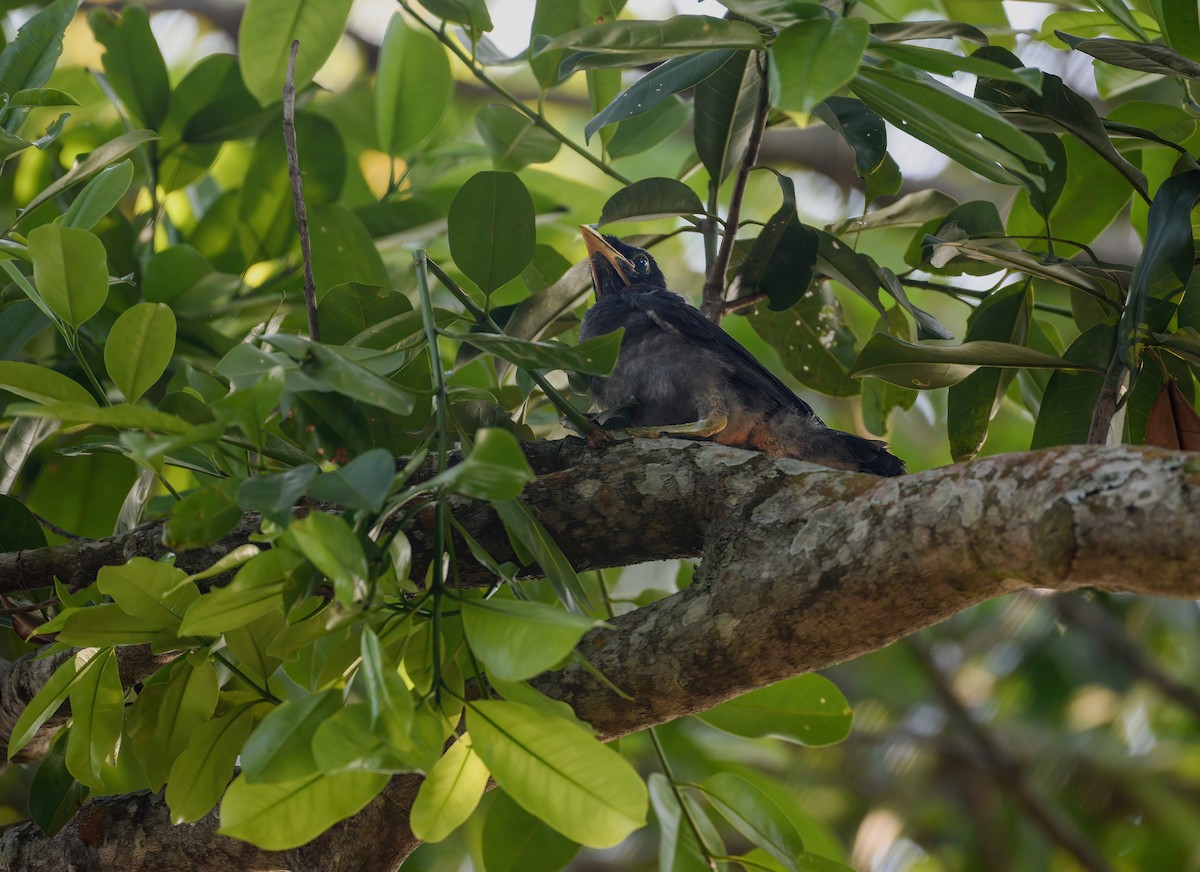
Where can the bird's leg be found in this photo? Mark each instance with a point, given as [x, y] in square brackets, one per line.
[713, 423]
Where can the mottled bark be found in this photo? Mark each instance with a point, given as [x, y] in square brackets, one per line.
[803, 568]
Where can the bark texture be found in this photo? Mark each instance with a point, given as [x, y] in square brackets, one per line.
[803, 568]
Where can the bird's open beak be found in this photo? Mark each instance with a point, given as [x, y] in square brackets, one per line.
[596, 244]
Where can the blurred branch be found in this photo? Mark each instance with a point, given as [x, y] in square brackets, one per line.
[1093, 620]
[1009, 773]
[297, 183]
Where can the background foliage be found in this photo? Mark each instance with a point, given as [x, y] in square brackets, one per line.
[975, 239]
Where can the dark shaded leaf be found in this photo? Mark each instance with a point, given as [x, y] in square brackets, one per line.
[927, 367]
[29, 59]
[643, 132]
[596, 356]
[133, 63]
[901, 31]
[651, 198]
[1070, 397]
[863, 130]
[725, 104]
[813, 340]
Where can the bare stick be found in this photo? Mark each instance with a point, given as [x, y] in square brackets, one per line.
[714, 287]
[289, 142]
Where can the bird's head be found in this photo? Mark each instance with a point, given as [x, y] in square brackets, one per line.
[616, 266]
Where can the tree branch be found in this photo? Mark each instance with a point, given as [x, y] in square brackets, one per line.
[804, 567]
[293, 159]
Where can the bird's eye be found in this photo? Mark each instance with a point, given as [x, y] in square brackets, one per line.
[641, 263]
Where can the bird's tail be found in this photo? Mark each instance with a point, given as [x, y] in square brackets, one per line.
[871, 455]
[804, 437]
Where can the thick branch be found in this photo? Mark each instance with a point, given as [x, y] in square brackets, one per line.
[804, 568]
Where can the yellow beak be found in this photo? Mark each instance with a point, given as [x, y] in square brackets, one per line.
[597, 244]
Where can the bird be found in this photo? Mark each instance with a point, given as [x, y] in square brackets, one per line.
[681, 374]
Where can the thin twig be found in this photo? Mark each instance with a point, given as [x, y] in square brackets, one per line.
[742, 302]
[293, 158]
[974, 294]
[1089, 617]
[714, 285]
[28, 607]
[1008, 772]
[54, 528]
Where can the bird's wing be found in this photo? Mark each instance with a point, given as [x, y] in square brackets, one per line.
[675, 315]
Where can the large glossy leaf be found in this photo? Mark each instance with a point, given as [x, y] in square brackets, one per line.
[1181, 26]
[331, 545]
[516, 640]
[491, 229]
[168, 711]
[678, 35]
[927, 367]
[495, 469]
[266, 33]
[133, 63]
[29, 59]
[139, 347]
[449, 793]
[1167, 260]
[41, 385]
[513, 139]
[756, 816]
[678, 847]
[280, 749]
[154, 592]
[51, 696]
[945, 63]
[862, 129]
[97, 714]
[807, 709]
[813, 340]
[813, 59]
[1142, 56]
[285, 815]
[973, 402]
[516, 841]
[668, 78]
[202, 772]
[781, 260]
[636, 135]
[1070, 397]
[413, 87]
[725, 107]
[97, 159]
[342, 251]
[651, 198]
[99, 196]
[70, 270]
[555, 770]
[949, 121]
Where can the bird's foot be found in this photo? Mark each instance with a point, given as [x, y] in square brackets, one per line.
[709, 426]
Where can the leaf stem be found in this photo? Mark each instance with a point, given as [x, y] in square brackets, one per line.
[533, 115]
[262, 691]
[679, 797]
[714, 285]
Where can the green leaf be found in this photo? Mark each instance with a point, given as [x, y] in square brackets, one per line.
[46, 703]
[945, 63]
[753, 814]
[329, 543]
[28, 60]
[678, 35]
[449, 793]
[862, 129]
[780, 13]
[413, 87]
[491, 229]
[19, 529]
[1070, 397]
[807, 709]
[156, 593]
[139, 347]
[363, 483]
[255, 590]
[927, 367]
[972, 403]
[678, 849]
[472, 13]
[119, 416]
[556, 771]
[517, 640]
[280, 749]
[651, 198]
[596, 356]
[1181, 26]
[495, 469]
[211, 105]
[168, 711]
[813, 340]
[348, 742]
[266, 33]
[201, 773]
[668, 78]
[349, 309]
[514, 140]
[54, 794]
[107, 624]
[202, 517]
[642, 133]
[250, 644]
[725, 104]
[387, 694]
[342, 250]
[275, 495]
[133, 63]
[1166, 262]
[527, 531]
[781, 260]
[42, 385]
[516, 841]
[70, 269]
[97, 715]
[285, 815]
[326, 369]
[814, 59]
[99, 196]
[97, 159]
[899, 31]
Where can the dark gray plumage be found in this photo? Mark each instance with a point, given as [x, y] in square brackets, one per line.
[684, 370]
